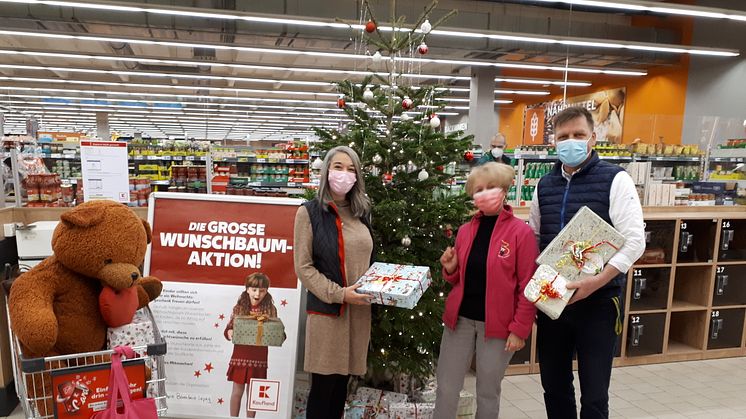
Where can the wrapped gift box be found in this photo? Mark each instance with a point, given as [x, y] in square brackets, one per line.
[583, 247]
[547, 290]
[372, 403]
[138, 333]
[395, 285]
[300, 400]
[466, 406]
[411, 410]
[258, 331]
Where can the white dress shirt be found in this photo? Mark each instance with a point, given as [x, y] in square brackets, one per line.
[625, 212]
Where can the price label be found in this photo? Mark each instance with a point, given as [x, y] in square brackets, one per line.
[178, 158]
[154, 157]
[261, 160]
[56, 155]
[243, 159]
[166, 157]
[290, 161]
[190, 158]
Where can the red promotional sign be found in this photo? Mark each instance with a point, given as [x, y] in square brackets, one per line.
[80, 392]
[221, 242]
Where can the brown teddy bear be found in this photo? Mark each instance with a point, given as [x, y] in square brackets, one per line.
[56, 307]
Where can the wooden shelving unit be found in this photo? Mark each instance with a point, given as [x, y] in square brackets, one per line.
[692, 305]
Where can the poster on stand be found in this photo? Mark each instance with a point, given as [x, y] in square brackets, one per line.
[606, 106]
[230, 305]
[105, 170]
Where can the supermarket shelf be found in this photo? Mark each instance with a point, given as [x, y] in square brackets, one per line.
[733, 153]
[260, 160]
[668, 158]
[160, 182]
[168, 158]
[61, 156]
[728, 159]
[281, 184]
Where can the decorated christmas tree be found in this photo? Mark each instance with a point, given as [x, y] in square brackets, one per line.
[408, 164]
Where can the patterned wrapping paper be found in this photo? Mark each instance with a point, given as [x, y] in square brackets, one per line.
[466, 405]
[258, 331]
[137, 333]
[372, 403]
[411, 410]
[580, 250]
[395, 285]
[300, 400]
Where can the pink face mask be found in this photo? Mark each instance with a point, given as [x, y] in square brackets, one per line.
[490, 201]
[341, 181]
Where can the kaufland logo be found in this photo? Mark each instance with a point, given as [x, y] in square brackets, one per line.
[264, 395]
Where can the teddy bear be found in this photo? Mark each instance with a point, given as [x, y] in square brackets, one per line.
[65, 304]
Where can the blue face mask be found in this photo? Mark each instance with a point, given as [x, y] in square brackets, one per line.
[572, 152]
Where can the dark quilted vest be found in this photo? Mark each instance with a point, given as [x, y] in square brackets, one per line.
[326, 254]
[559, 200]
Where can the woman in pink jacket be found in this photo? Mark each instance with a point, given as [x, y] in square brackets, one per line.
[493, 260]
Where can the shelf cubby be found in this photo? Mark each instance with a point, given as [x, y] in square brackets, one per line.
[732, 242]
[658, 242]
[691, 288]
[645, 334]
[726, 328]
[730, 285]
[686, 331]
[649, 289]
[696, 240]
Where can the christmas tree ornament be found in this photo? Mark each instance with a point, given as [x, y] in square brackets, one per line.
[468, 156]
[406, 241]
[406, 103]
[377, 57]
[317, 163]
[367, 94]
[422, 49]
[448, 231]
[377, 159]
[375, 171]
[435, 121]
[341, 103]
[370, 27]
[411, 167]
[439, 168]
[423, 175]
[405, 117]
[387, 178]
[426, 27]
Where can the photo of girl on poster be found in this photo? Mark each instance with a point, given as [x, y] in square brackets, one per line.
[249, 361]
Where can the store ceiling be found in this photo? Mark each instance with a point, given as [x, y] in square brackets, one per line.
[205, 77]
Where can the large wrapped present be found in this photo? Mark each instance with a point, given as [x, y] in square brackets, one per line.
[300, 400]
[580, 250]
[583, 247]
[258, 330]
[138, 333]
[372, 403]
[411, 410]
[466, 405]
[395, 285]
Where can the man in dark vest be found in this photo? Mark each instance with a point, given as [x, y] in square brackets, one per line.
[591, 323]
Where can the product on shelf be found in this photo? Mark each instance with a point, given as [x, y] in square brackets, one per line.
[734, 143]
[43, 190]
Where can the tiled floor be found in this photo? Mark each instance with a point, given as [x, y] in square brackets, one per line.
[704, 389]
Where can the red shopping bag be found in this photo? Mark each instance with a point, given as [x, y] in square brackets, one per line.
[119, 390]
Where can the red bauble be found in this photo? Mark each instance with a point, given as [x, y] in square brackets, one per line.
[439, 168]
[449, 233]
[370, 27]
[341, 103]
[406, 103]
[387, 178]
[469, 156]
[422, 49]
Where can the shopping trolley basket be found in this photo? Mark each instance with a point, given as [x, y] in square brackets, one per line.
[33, 375]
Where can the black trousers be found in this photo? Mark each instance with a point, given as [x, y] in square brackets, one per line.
[588, 328]
[327, 397]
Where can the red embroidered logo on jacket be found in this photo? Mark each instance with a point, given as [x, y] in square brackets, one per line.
[504, 249]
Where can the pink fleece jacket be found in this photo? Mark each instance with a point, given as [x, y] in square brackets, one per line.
[510, 265]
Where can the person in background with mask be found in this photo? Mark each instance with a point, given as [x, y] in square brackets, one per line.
[486, 312]
[333, 248]
[591, 323]
[496, 152]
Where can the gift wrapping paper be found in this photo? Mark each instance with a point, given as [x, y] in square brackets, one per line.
[395, 285]
[580, 250]
[258, 331]
[411, 410]
[300, 400]
[138, 333]
[466, 405]
[372, 403]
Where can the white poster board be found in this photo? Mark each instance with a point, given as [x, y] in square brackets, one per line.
[204, 247]
[105, 170]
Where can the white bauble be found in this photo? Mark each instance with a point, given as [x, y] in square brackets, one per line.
[367, 94]
[377, 159]
[316, 164]
[435, 121]
[377, 57]
[423, 175]
[426, 27]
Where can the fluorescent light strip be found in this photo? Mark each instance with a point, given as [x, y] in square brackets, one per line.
[516, 80]
[459, 99]
[503, 36]
[166, 86]
[503, 91]
[141, 41]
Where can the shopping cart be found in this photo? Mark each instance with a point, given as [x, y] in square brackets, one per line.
[33, 375]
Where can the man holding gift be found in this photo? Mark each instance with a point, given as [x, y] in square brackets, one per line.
[589, 325]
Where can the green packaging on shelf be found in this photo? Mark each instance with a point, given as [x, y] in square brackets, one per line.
[580, 250]
[258, 330]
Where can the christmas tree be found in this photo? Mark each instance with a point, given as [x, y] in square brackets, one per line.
[397, 133]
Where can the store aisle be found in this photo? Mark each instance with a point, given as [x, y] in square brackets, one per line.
[700, 389]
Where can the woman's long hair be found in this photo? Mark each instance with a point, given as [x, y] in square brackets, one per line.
[359, 202]
[266, 306]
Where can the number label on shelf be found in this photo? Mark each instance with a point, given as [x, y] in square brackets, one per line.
[721, 269]
[726, 224]
[638, 272]
[715, 314]
[683, 226]
[635, 319]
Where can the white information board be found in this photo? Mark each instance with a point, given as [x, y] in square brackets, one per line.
[105, 170]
